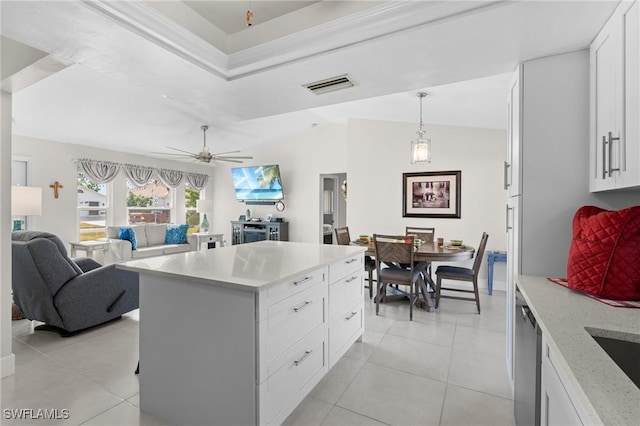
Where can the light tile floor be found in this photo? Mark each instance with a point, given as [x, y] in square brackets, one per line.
[442, 368]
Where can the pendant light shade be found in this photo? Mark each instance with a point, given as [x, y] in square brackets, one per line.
[421, 147]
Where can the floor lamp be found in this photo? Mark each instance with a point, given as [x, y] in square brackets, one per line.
[25, 201]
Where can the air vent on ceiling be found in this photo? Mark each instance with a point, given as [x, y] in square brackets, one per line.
[330, 84]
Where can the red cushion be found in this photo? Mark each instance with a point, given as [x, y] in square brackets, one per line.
[604, 258]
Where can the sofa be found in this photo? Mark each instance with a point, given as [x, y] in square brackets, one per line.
[148, 240]
[68, 295]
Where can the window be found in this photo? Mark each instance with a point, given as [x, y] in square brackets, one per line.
[150, 203]
[191, 196]
[92, 209]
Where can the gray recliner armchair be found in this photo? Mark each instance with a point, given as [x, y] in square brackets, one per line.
[68, 295]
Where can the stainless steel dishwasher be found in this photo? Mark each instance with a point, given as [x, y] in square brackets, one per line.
[527, 365]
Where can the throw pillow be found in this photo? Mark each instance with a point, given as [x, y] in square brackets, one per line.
[127, 233]
[176, 234]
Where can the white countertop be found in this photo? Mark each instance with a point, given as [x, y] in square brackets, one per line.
[253, 266]
[608, 396]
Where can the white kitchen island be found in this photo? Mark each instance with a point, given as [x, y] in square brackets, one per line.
[240, 335]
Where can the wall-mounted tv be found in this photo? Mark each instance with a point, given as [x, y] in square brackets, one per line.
[258, 183]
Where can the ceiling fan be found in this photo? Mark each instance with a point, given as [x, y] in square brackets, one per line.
[205, 156]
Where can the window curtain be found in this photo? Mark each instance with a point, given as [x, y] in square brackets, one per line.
[98, 171]
[171, 178]
[138, 175]
[197, 181]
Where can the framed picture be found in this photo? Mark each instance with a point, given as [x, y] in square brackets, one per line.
[431, 194]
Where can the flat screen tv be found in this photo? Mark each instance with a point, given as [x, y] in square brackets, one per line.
[258, 183]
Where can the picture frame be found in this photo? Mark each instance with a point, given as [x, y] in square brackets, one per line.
[432, 194]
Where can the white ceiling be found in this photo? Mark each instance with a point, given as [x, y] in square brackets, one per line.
[145, 75]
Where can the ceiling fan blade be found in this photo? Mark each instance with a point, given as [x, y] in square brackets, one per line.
[171, 153]
[227, 160]
[236, 157]
[181, 150]
[223, 153]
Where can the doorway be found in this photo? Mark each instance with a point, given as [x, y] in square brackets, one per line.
[333, 205]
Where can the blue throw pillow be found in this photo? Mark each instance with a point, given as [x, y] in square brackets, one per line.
[126, 233]
[176, 234]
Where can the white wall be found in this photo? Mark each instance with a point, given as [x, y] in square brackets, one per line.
[302, 159]
[374, 154]
[53, 161]
[379, 153]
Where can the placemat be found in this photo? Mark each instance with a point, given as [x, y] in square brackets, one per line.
[615, 303]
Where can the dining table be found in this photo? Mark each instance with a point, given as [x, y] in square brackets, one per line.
[426, 253]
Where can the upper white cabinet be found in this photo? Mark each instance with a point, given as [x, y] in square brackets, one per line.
[615, 93]
[512, 165]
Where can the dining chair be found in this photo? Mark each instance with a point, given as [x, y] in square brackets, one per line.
[344, 239]
[457, 273]
[391, 251]
[425, 234]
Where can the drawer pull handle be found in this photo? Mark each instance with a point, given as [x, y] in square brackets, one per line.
[302, 280]
[301, 360]
[353, 314]
[351, 279]
[351, 261]
[304, 305]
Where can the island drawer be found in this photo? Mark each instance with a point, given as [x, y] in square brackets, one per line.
[295, 285]
[345, 292]
[290, 372]
[290, 320]
[346, 266]
[344, 329]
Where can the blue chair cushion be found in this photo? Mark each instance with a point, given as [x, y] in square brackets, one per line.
[127, 233]
[454, 271]
[176, 234]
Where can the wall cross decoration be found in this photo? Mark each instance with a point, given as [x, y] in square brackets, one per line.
[56, 188]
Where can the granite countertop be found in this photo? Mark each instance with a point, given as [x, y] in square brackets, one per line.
[604, 391]
[253, 267]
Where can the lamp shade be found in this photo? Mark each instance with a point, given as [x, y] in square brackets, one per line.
[26, 201]
[204, 206]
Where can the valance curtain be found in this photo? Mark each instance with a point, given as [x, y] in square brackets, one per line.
[171, 178]
[98, 171]
[106, 171]
[138, 175]
[197, 180]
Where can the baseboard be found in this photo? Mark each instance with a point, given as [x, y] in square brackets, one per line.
[8, 365]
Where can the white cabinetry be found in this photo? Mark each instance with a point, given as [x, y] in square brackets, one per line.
[346, 304]
[556, 406]
[615, 93]
[217, 352]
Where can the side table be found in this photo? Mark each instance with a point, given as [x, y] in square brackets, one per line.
[207, 238]
[493, 256]
[89, 247]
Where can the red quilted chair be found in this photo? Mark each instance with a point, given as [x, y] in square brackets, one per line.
[604, 259]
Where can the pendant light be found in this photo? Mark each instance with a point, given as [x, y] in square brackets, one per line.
[421, 147]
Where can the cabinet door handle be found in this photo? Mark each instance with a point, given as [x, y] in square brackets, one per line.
[604, 157]
[353, 314]
[301, 360]
[611, 139]
[506, 175]
[301, 307]
[302, 280]
[507, 221]
[348, 280]
[351, 261]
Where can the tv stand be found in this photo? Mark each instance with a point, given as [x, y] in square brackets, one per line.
[247, 231]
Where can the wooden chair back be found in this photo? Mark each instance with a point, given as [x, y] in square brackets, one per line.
[342, 236]
[480, 253]
[393, 249]
[425, 234]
